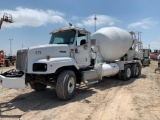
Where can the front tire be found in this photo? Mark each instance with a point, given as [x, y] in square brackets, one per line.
[66, 85]
[38, 86]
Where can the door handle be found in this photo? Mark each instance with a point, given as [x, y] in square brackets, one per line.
[76, 51]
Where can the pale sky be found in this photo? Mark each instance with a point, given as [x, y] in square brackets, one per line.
[35, 19]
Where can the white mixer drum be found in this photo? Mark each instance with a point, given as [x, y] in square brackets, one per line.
[113, 42]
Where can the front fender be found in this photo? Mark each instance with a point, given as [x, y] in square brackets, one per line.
[54, 63]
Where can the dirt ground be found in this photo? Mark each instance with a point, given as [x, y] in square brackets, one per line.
[110, 99]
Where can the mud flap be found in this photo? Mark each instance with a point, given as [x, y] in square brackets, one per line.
[14, 82]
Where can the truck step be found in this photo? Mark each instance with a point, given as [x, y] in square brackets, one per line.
[89, 82]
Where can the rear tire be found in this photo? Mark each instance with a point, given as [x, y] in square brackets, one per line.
[38, 86]
[66, 85]
[135, 70]
[126, 73]
[120, 76]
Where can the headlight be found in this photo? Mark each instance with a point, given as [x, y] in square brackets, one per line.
[39, 67]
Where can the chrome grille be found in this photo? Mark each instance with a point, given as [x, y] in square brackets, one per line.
[21, 61]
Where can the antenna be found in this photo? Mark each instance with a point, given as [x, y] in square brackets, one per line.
[95, 18]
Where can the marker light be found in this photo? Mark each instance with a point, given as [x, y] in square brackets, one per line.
[48, 57]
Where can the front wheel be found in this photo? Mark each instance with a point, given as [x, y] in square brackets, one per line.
[66, 85]
[38, 86]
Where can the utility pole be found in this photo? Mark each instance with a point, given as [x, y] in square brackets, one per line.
[95, 18]
[149, 49]
[10, 46]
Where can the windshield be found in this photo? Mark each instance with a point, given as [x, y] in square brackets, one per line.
[63, 37]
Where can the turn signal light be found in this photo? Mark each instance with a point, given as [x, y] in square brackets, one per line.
[48, 57]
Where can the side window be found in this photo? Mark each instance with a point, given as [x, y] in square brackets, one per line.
[81, 40]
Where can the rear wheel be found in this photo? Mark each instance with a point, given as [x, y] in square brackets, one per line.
[135, 71]
[38, 86]
[120, 76]
[126, 73]
[66, 85]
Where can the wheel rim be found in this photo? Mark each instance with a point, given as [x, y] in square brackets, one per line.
[128, 72]
[137, 71]
[71, 85]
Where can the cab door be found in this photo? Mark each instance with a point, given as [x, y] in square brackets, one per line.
[82, 50]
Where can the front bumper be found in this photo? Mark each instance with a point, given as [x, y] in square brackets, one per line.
[12, 81]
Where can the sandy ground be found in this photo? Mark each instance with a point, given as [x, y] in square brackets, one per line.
[110, 99]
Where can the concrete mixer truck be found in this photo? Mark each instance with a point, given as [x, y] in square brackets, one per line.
[73, 56]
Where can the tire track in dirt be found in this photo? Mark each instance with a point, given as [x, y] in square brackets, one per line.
[69, 107]
[23, 103]
[147, 101]
[113, 106]
[58, 109]
[110, 99]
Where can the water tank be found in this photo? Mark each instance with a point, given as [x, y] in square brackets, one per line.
[113, 42]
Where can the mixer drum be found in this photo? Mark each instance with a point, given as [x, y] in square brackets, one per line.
[113, 42]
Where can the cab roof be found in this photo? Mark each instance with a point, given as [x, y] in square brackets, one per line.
[69, 28]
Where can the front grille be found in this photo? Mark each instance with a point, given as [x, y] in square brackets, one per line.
[39, 67]
[21, 61]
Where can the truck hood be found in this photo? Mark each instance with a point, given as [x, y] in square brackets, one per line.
[53, 50]
[26, 57]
